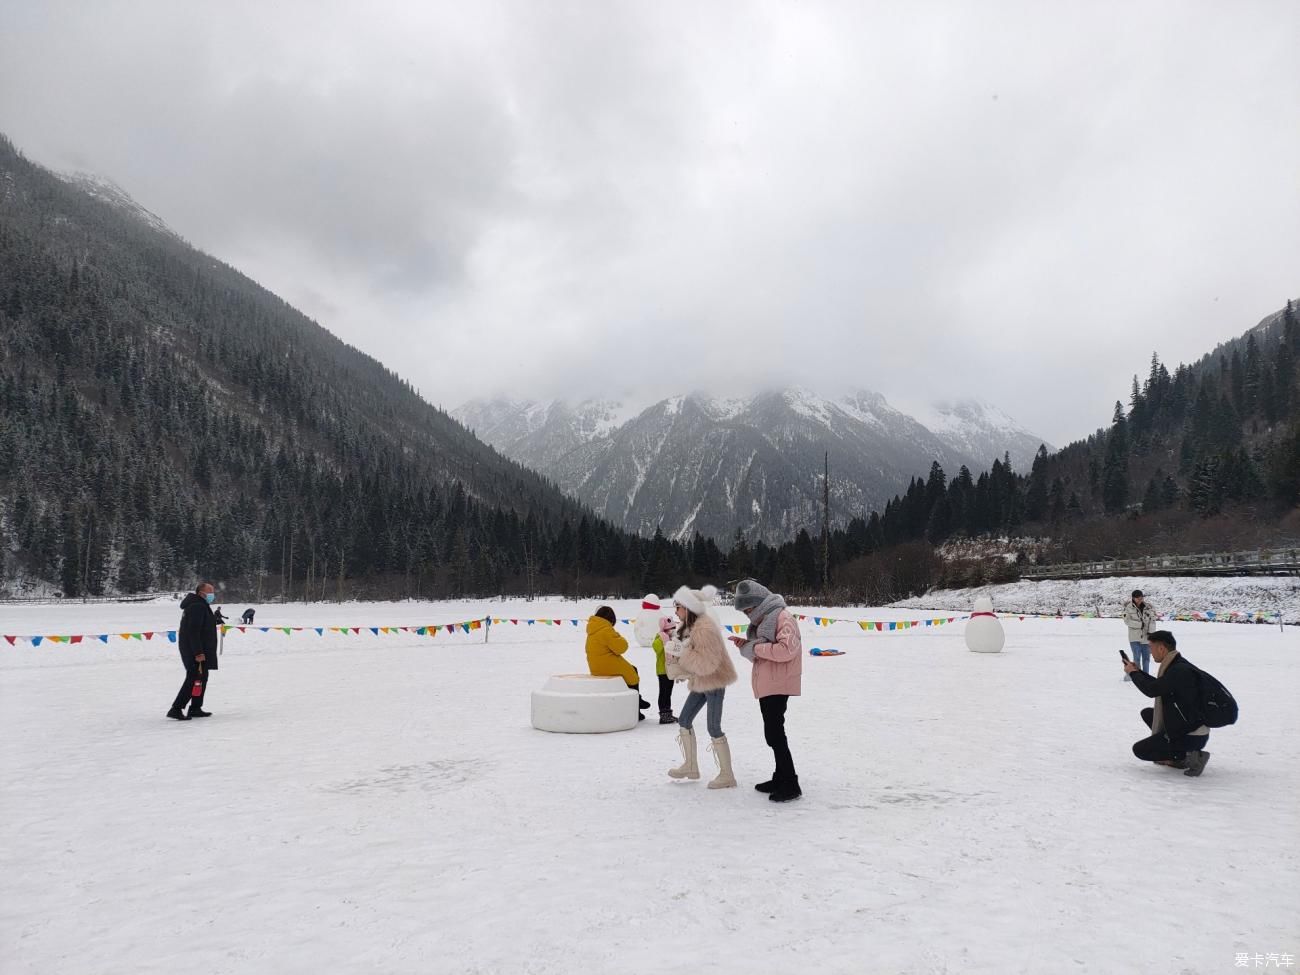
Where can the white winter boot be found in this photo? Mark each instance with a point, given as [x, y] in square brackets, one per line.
[722, 752]
[690, 767]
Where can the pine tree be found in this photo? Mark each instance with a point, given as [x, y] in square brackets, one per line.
[1114, 477]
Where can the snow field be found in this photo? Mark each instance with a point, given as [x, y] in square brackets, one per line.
[368, 803]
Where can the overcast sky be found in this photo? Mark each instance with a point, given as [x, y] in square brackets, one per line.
[1015, 201]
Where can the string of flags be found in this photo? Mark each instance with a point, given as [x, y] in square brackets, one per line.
[469, 626]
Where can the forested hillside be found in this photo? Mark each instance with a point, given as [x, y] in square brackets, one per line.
[162, 417]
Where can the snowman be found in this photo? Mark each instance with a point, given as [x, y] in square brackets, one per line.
[646, 626]
[983, 631]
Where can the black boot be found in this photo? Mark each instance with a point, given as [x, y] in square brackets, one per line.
[667, 717]
[784, 792]
[767, 786]
[643, 704]
[178, 714]
[197, 712]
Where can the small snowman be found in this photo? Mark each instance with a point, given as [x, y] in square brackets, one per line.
[646, 626]
[983, 630]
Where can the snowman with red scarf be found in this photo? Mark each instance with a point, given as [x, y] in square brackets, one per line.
[984, 632]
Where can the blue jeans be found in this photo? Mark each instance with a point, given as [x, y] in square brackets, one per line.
[713, 717]
[1142, 655]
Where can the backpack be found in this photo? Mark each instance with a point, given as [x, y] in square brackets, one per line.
[1218, 706]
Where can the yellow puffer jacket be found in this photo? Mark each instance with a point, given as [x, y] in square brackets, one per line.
[605, 649]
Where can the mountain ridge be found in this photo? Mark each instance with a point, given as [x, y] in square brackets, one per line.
[651, 470]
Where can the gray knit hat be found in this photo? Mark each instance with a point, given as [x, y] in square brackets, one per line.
[749, 594]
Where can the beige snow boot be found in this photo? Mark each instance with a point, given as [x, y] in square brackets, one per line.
[690, 767]
[722, 752]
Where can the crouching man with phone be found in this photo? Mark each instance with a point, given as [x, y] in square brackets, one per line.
[1178, 736]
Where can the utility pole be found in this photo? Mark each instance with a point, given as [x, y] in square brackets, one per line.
[826, 528]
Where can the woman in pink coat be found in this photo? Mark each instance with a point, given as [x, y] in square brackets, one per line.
[775, 648]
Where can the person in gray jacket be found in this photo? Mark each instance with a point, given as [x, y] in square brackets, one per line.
[1138, 617]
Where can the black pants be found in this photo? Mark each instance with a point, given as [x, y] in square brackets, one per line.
[1159, 748]
[665, 693]
[185, 696]
[773, 708]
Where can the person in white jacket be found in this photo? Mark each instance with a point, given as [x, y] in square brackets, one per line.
[695, 651]
[1138, 617]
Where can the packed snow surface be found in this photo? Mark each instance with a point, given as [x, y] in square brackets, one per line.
[367, 803]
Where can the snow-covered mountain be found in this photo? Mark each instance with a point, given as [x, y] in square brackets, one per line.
[984, 432]
[105, 189]
[699, 463]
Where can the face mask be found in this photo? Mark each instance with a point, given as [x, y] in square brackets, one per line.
[210, 596]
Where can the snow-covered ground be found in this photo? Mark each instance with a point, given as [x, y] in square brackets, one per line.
[372, 803]
[1176, 594]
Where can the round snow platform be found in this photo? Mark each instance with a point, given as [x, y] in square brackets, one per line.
[580, 704]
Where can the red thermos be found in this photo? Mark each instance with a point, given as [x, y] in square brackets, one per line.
[197, 689]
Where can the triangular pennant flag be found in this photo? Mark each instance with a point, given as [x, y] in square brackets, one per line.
[76, 639]
[265, 629]
[514, 622]
[171, 636]
[103, 638]
[374, 630]
[243, 629]
[148, 636]
[36, 641]
[320, 631]
[11, 639]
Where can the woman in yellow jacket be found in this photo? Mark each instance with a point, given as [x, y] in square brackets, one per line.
[605, 649]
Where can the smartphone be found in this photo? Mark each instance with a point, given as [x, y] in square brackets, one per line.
[1123, 656]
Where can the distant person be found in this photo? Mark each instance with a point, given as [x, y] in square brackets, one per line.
[666, 715]
[1178, 737]
[699, 653]
[605, 649]
[247, 618]
[219, 617]
[1138, 617]
[775, 648]
[196, 638]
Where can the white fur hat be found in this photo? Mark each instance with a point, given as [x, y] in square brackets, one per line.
[696, 600]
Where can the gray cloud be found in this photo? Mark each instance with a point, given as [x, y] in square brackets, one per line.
[1013, 200]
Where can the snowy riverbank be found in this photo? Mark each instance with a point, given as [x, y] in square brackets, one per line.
[1168, 594]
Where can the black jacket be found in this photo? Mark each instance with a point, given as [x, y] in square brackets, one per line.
[197, 632]
[1180, 694]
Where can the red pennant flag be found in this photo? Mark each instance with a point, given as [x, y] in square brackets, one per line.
[76, 639]
[149, 635]
[11, 639]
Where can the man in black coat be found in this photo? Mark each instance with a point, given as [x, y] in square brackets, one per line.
[197, 641]
[1178, 736]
